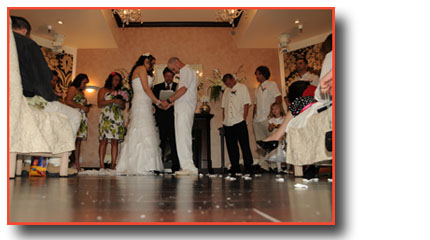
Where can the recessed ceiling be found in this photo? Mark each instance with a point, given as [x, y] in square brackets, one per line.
[263, 27]
[259, 28]
[83, 28]
[179, 15]
[178, 18]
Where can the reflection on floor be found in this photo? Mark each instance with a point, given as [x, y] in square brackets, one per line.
[168, 199]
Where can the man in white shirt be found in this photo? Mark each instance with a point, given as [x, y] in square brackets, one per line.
[302, 69]
[185, 99]
[235, 104]
[265, 94]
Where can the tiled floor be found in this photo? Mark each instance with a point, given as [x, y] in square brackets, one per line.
[168, 199]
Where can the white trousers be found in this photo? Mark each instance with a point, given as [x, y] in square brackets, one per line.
[261, 131]
[72, 114]
[184, 118]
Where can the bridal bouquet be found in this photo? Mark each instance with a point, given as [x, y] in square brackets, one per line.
[127, 94]
[37, 102]
[121, 94]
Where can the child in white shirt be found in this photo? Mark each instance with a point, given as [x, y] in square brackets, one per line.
[275, 119]
[276, 116]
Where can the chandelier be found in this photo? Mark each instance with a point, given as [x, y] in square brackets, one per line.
[128, 15]
[228, 15]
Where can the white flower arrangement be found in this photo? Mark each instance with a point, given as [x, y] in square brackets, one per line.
[217, 85]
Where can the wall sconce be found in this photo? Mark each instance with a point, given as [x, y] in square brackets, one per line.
[91, 89]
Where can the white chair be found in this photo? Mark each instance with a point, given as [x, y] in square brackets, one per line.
[32, 131]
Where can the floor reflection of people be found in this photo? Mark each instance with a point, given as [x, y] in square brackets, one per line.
[185, 199]
[311, 205]
[139, 197]
[167, 198]
[40, 199]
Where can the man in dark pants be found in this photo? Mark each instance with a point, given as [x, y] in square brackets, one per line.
[235, 105]
[165, 119]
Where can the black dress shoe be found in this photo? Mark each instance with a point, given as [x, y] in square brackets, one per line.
[175, 169]
[248, 170]
[311, 172]
[268, 146]
[233, 171]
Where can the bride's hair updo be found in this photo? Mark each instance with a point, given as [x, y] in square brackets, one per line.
[140, 62]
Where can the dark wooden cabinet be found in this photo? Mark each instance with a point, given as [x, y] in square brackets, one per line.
[202, 142]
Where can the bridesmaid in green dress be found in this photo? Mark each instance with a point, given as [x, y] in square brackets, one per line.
[76, 99]
[111, 122]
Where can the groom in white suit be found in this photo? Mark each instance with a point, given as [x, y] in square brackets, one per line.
[185, 100]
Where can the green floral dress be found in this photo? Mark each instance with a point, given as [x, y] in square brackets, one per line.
[83, 128]
[111, 122]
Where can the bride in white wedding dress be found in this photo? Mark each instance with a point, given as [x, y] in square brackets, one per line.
[140, 153]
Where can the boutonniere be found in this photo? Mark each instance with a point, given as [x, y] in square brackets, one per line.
[262, 88]
[233, 92]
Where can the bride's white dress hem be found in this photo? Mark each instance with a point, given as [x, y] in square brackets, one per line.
[140, 153]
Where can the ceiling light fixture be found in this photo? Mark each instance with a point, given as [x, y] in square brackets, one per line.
[299, 25]
[60, 22]
[128, 15]
[228, 15]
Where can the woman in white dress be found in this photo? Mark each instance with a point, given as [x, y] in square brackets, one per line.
[140, 152]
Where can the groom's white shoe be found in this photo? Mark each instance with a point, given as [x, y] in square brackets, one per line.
[186, 172]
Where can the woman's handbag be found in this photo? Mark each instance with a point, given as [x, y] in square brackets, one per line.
[329, 134]
[328, 141]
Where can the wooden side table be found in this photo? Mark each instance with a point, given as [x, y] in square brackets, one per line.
[202, 141]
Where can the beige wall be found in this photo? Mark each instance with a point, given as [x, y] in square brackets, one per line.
[211, 47]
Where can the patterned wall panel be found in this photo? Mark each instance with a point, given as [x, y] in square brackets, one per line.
[63, 64]
[314, 56]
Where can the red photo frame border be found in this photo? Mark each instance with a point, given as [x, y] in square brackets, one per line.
[333, 222]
